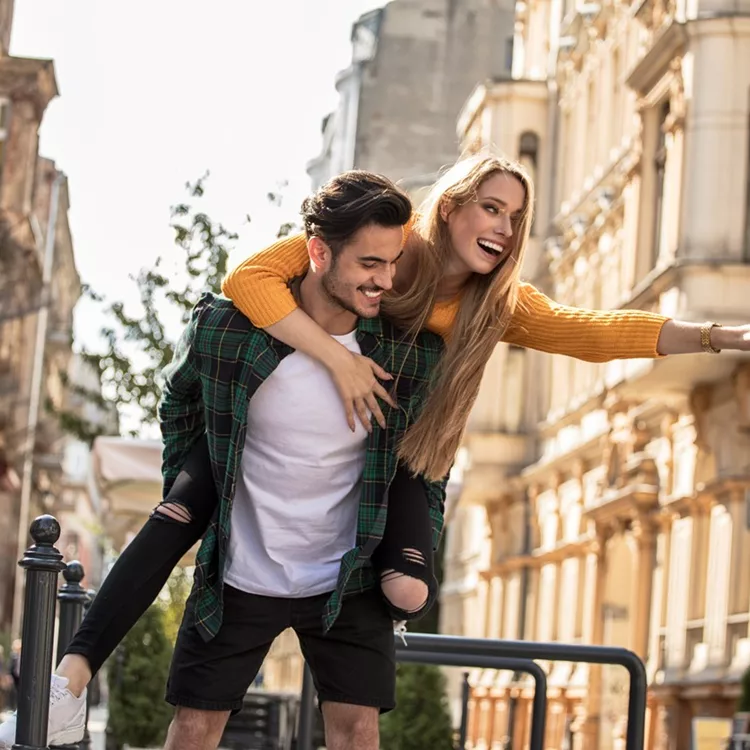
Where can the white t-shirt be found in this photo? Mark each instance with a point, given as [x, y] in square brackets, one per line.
[296, 501]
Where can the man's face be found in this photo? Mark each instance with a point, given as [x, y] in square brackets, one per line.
[356, 277]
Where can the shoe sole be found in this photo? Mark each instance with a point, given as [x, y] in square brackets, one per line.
[68, 736]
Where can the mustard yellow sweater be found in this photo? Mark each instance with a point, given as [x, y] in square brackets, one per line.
[258, 286]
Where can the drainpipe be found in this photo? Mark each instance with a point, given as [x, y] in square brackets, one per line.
[35, 397]
[513, 705]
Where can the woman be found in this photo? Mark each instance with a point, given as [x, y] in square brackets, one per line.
[459, 276]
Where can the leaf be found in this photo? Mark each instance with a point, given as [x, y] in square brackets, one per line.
[138, 342]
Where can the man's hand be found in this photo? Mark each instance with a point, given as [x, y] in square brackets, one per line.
[356, 379]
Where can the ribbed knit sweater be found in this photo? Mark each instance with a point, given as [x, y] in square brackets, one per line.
[258, 287]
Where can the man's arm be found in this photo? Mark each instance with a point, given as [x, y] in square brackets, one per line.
[181, 413]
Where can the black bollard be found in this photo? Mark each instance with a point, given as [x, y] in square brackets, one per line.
[306, 722]
[72, 597]
[85, 743]
[465, 696]
[42, 562]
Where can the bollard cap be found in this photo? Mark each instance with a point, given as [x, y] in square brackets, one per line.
[43, 555]
[73, 572]
[71, 590]
[45, 530]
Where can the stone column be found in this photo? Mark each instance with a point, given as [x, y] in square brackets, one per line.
[643, 535]
[713, 204]
[596, 575]
[718, 589]
[665, 733]
[19, 158]
[739, 581]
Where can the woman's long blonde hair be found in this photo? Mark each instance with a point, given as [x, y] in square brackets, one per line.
[487, 304]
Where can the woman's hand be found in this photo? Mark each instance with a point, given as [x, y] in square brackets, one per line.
[356, 379]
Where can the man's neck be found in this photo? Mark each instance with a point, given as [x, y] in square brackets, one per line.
[332, 318]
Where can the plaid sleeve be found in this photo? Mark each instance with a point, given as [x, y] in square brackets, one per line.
[436, 500]
[181, 414]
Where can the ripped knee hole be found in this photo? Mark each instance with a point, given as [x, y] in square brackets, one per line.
[172, 511]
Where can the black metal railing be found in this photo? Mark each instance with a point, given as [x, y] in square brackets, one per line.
[413, 655]
[42, 564]
[445, 645]
[519, 656]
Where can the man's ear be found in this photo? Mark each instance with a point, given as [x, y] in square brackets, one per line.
[319, 252]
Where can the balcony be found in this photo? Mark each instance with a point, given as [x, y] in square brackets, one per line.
[492, 458]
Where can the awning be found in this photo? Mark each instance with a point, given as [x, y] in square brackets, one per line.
[127, 477]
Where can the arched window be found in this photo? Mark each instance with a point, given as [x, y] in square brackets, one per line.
[528, 155]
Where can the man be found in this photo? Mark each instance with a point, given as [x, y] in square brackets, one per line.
[303, 503]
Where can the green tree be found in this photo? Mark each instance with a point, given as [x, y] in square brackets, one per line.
[137, 345]
[418, 686]
[138, 671]
[421, 721]
[172, 601]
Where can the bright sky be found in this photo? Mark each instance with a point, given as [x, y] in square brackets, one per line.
[156, 92]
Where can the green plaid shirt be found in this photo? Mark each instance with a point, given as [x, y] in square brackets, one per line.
[219, 363]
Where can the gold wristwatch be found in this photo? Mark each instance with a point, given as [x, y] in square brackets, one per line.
[706, 329]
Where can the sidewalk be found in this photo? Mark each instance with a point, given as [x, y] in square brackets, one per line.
[97, 727]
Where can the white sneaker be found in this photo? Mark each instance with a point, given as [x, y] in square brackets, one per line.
[67, 717]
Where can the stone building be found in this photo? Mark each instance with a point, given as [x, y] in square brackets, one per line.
[39, 287]
[608, 503]
[414, 62]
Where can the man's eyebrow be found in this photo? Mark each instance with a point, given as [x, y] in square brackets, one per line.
[378, 259]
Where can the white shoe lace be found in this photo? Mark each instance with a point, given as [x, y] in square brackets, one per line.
[399, 628]
[57, 692]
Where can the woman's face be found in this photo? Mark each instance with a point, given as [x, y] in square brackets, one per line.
[481, 231]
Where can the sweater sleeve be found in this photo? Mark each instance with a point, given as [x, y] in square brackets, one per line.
[258, 285]
[591, 335]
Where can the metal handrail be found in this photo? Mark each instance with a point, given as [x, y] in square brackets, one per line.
[466, 647]
[539, 705]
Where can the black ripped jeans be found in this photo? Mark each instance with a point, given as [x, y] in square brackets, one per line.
[142, 570]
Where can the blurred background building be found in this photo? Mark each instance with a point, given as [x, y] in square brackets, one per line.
[609, 503]
[591, 503]
[42, 469]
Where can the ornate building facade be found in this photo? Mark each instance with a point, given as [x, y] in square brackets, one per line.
[39, 287]
[609, 503]
[413, 64]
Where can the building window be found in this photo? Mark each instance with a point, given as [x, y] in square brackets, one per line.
[528, 155]
[4, 120]
[591, 127]
[747, 207]
[509, 54]
[616, 99]
[660, 167]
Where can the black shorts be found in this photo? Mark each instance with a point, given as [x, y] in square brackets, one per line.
[355, 662]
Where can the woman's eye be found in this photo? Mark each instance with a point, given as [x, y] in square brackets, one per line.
[492, 209]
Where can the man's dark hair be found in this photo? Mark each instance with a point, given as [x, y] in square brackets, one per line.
[350, 201]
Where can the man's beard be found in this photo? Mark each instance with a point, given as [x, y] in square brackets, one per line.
[329, 283]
